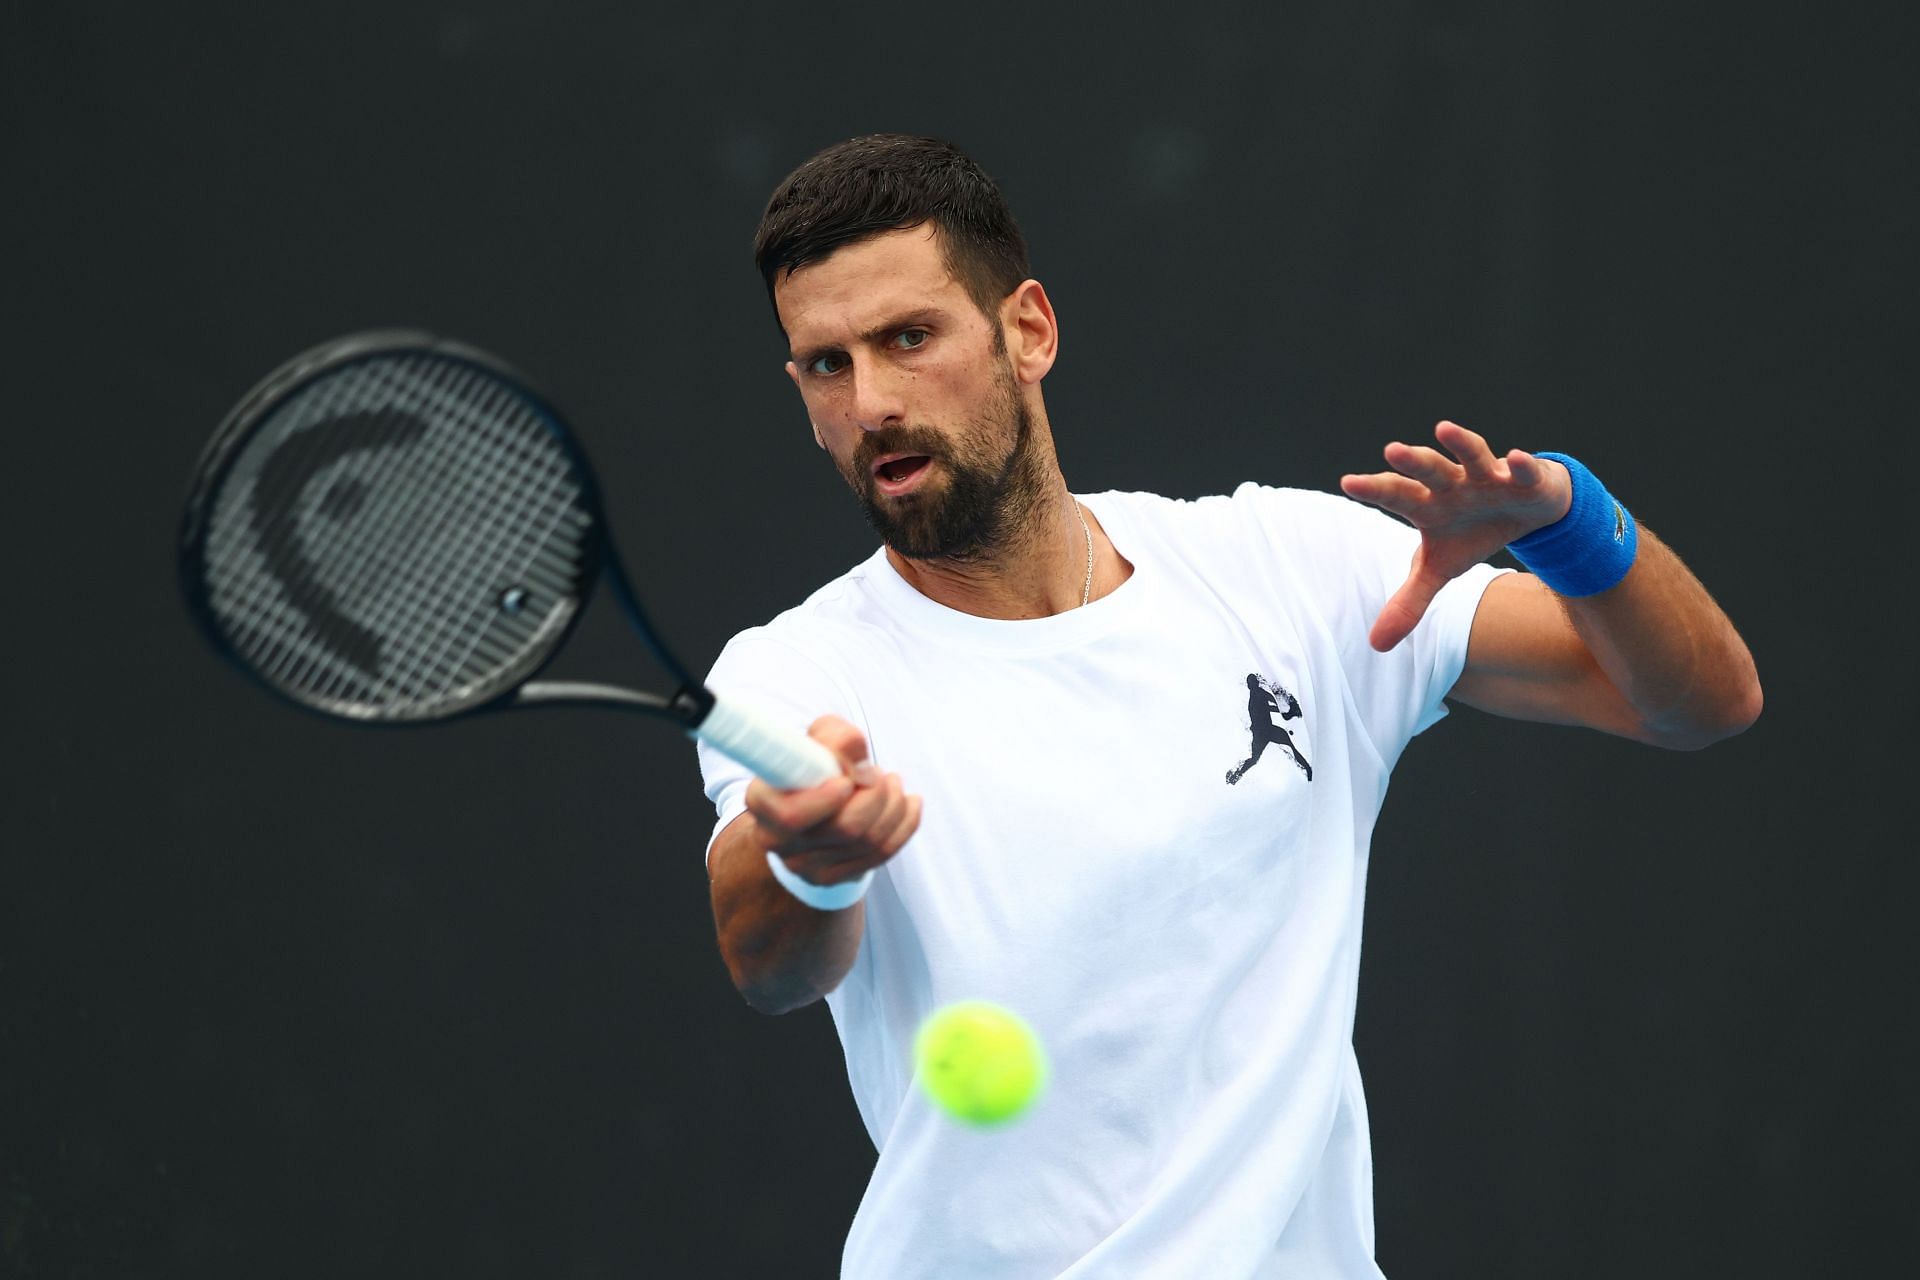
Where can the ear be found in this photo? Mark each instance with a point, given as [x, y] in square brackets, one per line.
[794, 374]
[1033, 335]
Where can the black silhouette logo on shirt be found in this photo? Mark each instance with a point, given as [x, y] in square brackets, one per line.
[1264, 699]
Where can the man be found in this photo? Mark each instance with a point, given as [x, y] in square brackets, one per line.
[1065, 680]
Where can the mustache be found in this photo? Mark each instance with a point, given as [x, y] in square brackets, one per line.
[923, 440]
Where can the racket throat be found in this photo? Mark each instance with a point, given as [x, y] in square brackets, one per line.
[687, 706]
[690, 704]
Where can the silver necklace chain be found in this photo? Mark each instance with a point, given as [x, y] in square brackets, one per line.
[1086, 591]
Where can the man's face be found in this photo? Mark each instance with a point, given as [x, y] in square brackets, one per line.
[911, 392]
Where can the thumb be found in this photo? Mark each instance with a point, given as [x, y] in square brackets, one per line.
[1403, 612]
[849, 744]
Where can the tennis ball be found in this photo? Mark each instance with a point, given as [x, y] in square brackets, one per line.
[979, 1062]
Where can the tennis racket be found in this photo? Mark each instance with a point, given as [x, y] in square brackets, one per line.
[393, 528]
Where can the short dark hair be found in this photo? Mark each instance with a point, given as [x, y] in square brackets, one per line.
[863, 187]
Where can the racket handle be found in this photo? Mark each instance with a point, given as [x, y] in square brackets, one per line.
[783, 757]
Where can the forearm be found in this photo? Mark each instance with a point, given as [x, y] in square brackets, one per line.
[781, 953]
[1669, 651]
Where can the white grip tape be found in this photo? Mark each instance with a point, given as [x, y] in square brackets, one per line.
[785, 758]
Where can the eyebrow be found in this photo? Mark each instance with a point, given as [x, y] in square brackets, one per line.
[886, 328]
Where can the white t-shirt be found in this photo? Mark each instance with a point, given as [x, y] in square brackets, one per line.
[1187, 948]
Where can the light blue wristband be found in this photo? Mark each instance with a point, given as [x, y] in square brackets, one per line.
[1587, 550]
[821, 897]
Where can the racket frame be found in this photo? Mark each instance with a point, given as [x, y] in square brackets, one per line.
[517, 687]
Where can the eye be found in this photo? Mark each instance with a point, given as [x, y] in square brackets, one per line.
[908, 339]
[830, 363]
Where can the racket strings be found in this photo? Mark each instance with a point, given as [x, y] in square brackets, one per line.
[450, 492]
[420, 556]
[395, 513]
[504, 548]
[317, 666]
[402, 613]
[482, 552]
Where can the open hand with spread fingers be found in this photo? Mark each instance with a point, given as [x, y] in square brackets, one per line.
[1467, 504]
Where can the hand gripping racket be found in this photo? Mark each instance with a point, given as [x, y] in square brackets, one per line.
[393, 529]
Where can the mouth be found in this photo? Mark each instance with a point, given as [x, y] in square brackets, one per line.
[898, 473]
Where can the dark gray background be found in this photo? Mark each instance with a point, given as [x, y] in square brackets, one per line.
[281, 997]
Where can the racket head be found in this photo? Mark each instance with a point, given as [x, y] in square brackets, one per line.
[391, 528]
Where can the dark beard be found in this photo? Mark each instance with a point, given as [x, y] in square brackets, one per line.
[983, 501]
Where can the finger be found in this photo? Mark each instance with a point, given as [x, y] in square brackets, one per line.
[833, 865]
[848, 743]
[903, 831]
[1429, 466]
[832, 853]
[1527, 471]
[1404, 611]
[787, 813]
[825, 866]
[869, 809]
[1470, 449]
[851, 828]
[1387, 489]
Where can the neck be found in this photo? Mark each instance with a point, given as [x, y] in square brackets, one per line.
[1040, 571]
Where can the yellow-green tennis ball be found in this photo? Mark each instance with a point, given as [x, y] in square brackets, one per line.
[979, 1062]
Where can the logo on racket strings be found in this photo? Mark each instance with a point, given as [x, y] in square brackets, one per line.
[291, 469]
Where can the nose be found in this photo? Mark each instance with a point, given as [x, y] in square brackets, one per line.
[878, 399]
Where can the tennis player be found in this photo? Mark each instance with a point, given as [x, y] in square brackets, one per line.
[1054, 711]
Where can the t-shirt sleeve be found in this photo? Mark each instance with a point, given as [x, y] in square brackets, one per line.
[779, 680]
[1348, 559]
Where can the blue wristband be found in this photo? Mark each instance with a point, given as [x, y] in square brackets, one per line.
[1587, 550]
